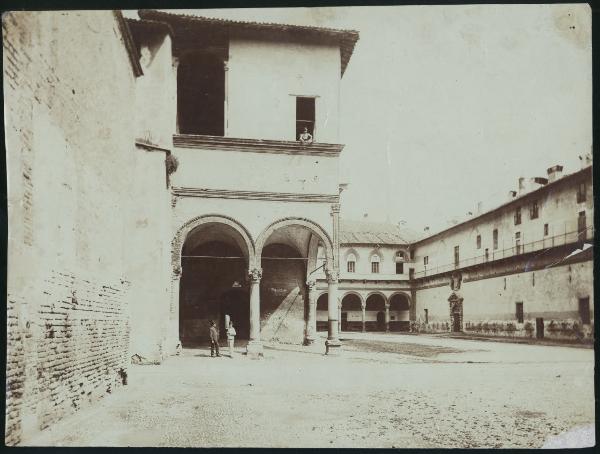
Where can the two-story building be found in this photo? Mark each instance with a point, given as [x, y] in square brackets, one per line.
[250, 203]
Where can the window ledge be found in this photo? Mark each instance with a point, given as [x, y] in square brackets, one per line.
[256, 145]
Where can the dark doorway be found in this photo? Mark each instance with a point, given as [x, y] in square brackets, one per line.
[214, 269]
[380, 321]
[322, 313]
[201, 95]
[539, 328]
[236, 304]
[344, 321]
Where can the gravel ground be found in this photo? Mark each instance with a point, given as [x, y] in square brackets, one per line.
[383, 391]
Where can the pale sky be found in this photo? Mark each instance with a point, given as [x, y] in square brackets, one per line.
[445, 106]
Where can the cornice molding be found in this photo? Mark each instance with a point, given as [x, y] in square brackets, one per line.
[256, 146]
[254, 195]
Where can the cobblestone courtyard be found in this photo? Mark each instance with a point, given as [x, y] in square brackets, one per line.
[384, 391]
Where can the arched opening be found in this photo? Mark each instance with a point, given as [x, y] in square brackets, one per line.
[201, 95]
[322, 314]
[287, 251]
[399, 313]
[375, 312]
[282, 293]
[351, 313]
[214, 263]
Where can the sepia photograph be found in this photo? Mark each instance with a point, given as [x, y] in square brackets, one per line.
[300, 227]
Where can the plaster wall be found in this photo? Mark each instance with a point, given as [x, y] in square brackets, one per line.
[263, 172]
[550, 293]
[69, 158]
[557, 207]
[264, 78]
[156, 92]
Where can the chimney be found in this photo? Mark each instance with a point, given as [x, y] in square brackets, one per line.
[521, 187]
[426, 229]
[479, 208]
[511, 195]
[586, 160]
[554, 173]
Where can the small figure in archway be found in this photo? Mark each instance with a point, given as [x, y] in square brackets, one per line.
[231, 338]
[214, 339]
[306, 137]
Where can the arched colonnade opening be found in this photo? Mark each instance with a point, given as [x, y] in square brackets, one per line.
[264, 286]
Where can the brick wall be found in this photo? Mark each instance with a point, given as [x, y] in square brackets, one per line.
[69, 92]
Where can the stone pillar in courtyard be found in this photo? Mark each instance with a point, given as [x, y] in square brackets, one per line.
[363, 306]
[332, 344]
[311, 323]
[174, 343]
[254, 347]
[387, 316]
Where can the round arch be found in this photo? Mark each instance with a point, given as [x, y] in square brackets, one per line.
[302, 222]
[377, 292]
[403, 294]
[352, 292]
[376, 252]
[351, 251]
[193, 224]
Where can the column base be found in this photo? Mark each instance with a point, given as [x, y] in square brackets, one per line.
[254, 349]
[175, 348]
[309, 340]
[333, 347]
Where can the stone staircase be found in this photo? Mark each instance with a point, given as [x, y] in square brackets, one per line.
[286, 323]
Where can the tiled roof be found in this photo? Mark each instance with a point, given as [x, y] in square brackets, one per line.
[362, 232]
[346, 39]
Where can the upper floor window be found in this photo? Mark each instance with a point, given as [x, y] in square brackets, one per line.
[581, 226]
[351, 263]
[399, 268]
[400, 256]
[495, 238]
[535, 210]
[201, 95]
[581, 193]
[375, 263]
[426, 260]
[518, 216]
[456, 255]
[518, 242]
[478, 241]
[305, 119]
[545, 229]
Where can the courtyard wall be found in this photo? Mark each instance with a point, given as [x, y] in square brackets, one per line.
[72, 176]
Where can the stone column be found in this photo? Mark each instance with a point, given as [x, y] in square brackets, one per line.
[363, 306]
[339, 316]
[174, 343]
[226, 99]
[332, 345]
[311, 323]
[254, 348]
[175, 63]
[387, 317]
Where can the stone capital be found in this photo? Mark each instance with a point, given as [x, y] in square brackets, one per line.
[332, 276]
[312, 285]
[335, 209]
[255, 274]
[176, 272]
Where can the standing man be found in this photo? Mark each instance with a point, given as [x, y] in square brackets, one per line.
[231, 338]
[214, 339]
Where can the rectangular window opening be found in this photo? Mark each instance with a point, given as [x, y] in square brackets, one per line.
[535, 210]
[426, 316]
[545, 229]
[426, 260]
[518, 216]
[581, 226]
[375, 267]
[399, 268]
[495, 238]
[456, 255]
[584, 310]
[351, 266]
[519, 310]
[581, 193]
[305, 116]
